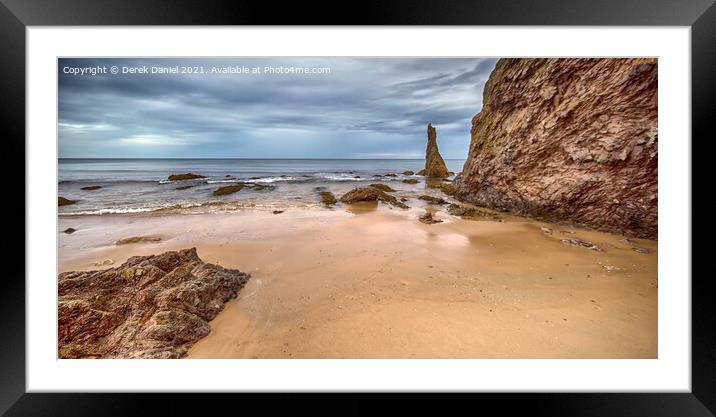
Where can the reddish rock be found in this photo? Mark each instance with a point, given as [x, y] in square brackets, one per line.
[153, 306]
[568, 140]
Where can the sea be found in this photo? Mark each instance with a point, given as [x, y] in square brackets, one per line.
[136, 186]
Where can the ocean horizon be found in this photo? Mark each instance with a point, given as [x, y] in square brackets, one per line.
[142, 185]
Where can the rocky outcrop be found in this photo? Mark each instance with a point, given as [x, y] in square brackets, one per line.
[568, 140]
[149, 307]
[328, 198]
[187, 176]
[434, 164]
[370, 194]
[383, 187]
[235, 188]
[428, 218]
[138, 239]
[229, 189]
[472, 213]
[62, 201]
[447, 187]
[433, 200]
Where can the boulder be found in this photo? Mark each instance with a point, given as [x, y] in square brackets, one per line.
[408, 173]
[328, 198]
[69, 230]
[362, 194]
[370, 194]
[91, 187]
[410, 181]
[153, 306]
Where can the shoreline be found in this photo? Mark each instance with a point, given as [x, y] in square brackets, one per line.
[368, 281]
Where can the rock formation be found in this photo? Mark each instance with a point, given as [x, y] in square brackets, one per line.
[149, 307]
[472, 213]
[328, 198]
[448, 187]
[428, 218]
[434, 165]
[62, 201]
[138, 239]
[235, 188]
[383, 187]
[568, 140]
[187, 176]
[433, 200]
[370, 194]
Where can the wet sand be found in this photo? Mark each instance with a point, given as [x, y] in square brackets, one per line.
[374, 282]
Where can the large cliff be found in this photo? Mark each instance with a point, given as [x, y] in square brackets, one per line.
[568, 140]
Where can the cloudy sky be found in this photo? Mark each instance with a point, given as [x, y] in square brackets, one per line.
[362, 108]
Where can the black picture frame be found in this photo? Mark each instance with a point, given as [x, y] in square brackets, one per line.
[699, 15]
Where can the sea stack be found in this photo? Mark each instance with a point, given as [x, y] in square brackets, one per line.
[434, 164]
[571, 140]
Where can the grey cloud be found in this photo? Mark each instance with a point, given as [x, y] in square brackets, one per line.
[365, 106]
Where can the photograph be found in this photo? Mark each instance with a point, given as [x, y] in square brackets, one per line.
[328, 207]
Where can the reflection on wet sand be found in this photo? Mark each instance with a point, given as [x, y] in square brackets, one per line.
[372, 281]
[362, 207]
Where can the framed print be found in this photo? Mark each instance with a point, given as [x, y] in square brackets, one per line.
[479, 206]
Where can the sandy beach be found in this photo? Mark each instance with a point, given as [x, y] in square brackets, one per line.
[371, 281]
